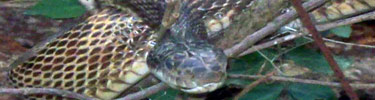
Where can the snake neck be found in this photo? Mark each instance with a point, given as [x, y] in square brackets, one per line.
[183, 59]
[189, 26]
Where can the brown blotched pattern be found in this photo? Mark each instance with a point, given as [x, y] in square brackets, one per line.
[342, 8]
[100, 58]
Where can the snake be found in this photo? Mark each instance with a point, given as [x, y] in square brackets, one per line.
[115, 48]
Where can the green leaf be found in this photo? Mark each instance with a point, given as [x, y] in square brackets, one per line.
[264, 92]
[246, 65]
[302, 41]
[299, 91]
[343, 62]
[252, 63]
[342, 31]
[57, 9]
[250, 66]
[168, 94]
[239, 66]
[316, 61]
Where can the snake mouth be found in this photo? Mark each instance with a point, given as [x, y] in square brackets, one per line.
[203, 89]
[191, 86]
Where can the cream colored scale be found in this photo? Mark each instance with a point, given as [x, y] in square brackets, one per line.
[337, 9]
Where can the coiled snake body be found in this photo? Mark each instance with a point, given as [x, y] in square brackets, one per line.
[110, 51]
[106, 54]
[100, 57]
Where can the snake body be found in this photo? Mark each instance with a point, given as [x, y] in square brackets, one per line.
[338, 9]
[100, 57]
[106, 54]
[114, 48]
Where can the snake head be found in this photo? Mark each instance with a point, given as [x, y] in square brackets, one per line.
[189, 67]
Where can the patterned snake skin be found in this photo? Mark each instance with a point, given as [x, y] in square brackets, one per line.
[109, 52]
[338, 9]
[101, 57]
[106, 54]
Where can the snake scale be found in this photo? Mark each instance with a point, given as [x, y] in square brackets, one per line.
[106, 54]
[338, 9]
[114, 48]
[100, 57]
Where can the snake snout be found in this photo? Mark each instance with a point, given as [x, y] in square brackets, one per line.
[192, 68]
[208, 71]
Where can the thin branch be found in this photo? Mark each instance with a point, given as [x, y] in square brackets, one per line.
[347, 21]
[145, 93]
[169, 18]
[272, 43]
[321, 27]
[293, 48]
[271, 61]
[51, 91]
[305, 81]
[252, 85]
[12, 4]
[269, 29]
[306, 21]
[346, 43]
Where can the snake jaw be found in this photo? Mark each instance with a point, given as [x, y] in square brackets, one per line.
[203, 89]
[189, 87]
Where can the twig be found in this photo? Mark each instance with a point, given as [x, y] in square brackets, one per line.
[349, 44]
[306, 21]
[347, 21]
[321, 27]
[293, 48]
[269, 29]
[306, 81]
[51, 91]
[145, 93]
[169, 18]
[271, 61]
[23, 4]
[272, 43]
[252, 85]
